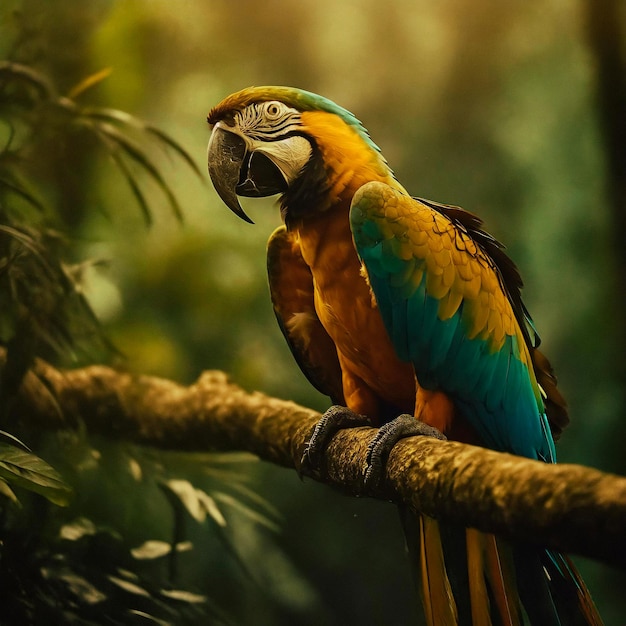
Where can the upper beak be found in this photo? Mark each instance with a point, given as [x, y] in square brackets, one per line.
[241, 168]
[226, 155]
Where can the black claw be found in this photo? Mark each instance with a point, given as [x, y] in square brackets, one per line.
[334, 419]
[386, 438]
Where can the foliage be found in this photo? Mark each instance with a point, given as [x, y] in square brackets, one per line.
[487, 105]
[76, 569]
[69, 567]
[47, 306]
[20, 467]
[85, 576]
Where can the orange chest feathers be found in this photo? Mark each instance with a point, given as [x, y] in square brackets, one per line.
[346, 308]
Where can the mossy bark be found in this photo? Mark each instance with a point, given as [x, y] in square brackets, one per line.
[567, 507]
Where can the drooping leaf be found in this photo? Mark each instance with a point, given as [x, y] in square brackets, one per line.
[149, 619]
[20, 190]
[129, 586]
[14, 440]
[139, 156]
[244, 509]
[132, 183]
[122, 117]
[117, 142]
[19, 73]
[83, 589]
[89, 82]
[184, 596]
[27, 470]
[77, 529]
[198, 503]
[7, 492]
[151, 549]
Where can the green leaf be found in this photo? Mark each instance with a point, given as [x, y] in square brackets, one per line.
[14, 440]
[151, 549]
[147, 618]
[121, 117]
[198, 503]
[116, 142]
[22, 192]
[135, 152]
[17, 72]
[184, 596]
[134, 186]
[26, 470]
[89, 82]
[246, 511]
[7, 492]
[128, 586]
[77, 529]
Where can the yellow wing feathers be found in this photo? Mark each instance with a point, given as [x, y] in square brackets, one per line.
[457, 270]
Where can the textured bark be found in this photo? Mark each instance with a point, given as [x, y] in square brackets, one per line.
[566, 507]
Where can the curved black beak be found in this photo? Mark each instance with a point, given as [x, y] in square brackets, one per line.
[236, 170]
[226, 155]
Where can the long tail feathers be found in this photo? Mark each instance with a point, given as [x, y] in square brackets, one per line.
[467, 577]
[479, 597]
[501, 578]
[570, 594]
[439, 604]
[585, 602]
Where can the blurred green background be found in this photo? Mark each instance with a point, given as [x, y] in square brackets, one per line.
[488, 105]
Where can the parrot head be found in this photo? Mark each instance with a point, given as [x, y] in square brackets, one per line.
[282, 140]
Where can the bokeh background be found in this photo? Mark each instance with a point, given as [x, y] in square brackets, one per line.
[489, 105]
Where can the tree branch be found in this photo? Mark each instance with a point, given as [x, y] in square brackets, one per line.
[566, 507]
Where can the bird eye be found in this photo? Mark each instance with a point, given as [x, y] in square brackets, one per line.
[273, 109]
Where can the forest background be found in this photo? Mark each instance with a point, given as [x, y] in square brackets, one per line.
[492, 106]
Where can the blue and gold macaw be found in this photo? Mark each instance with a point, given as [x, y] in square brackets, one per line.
[394, 305]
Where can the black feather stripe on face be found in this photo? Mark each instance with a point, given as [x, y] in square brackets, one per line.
[309, 193]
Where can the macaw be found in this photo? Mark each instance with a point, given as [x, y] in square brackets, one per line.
[396, 306]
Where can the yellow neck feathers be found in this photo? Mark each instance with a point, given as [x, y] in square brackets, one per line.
[349, 161]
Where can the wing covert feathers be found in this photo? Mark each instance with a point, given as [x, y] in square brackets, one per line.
[449, 311]
[444, 249]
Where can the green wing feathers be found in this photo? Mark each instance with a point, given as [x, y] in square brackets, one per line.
[450, 300]
[447, 310]
[418, 242]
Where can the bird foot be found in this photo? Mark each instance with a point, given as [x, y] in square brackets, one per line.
[386, 438]
[334, 419]
[338, 417]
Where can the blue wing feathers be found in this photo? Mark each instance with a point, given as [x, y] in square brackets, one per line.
[400, 325]
[454, 339]
[445, 331]
[493, 387]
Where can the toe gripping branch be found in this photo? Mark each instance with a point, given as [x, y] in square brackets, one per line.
[386, 438]
[337, 418]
